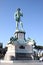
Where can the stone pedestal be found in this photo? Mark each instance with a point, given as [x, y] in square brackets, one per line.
[20, 49]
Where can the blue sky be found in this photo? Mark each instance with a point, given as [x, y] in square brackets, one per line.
[32, 19]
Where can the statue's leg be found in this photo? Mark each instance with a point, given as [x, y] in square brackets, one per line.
[16, 25]
[21, 24]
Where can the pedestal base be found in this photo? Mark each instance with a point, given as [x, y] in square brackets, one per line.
[23, 56]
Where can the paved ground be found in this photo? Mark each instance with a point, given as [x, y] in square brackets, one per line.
[26, 62]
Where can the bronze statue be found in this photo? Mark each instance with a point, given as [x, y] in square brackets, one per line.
[18, 15]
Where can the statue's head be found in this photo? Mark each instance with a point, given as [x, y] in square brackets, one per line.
[18, 9]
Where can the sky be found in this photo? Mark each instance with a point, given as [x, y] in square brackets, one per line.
[32, 19]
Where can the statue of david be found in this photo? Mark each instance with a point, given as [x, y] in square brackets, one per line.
[18, 15]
